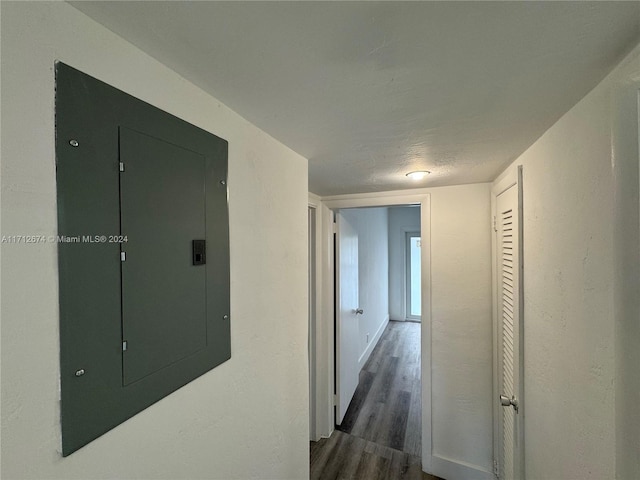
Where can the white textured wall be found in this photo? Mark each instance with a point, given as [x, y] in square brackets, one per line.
[401, 220]
[461, 326]
[570, 201]
[371, 224]
[247, 418]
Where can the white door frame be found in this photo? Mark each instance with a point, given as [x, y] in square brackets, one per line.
[318, 344]
[389, 199]
[313, 317]
[510, 178]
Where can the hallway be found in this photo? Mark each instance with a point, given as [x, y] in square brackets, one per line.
[380, 434]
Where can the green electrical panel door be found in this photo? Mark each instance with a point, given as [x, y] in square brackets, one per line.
[162, 211]
[144, 278]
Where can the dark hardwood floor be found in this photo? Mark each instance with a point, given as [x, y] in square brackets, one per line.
[387, 404]
[344, 456]
[380, 436]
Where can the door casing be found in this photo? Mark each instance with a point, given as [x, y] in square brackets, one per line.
[389, 199]
[312, 228]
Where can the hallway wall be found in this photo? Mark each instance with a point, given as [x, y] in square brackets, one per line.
[581, 350]
[371, 224]
[247, 418]
[461, 338]
[401, 220]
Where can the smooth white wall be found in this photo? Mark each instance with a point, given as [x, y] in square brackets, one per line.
[247, 418]
[371, 225]
[401, 220]
[570, 204]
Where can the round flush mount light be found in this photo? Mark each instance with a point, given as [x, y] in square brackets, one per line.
[418, 175]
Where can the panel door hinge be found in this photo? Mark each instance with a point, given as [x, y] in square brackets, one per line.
[124, 346]
[496, 471]
[335, 400]
[122, 166]
[334, 227]
[123, 256]
[495, 224]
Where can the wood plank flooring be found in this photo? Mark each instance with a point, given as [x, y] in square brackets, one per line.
[344, 456]
[380, 436]
[386, 408]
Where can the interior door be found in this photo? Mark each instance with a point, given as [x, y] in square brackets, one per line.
[346, 315]
[510, 388]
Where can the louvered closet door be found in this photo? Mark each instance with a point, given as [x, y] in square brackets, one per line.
[509, 331]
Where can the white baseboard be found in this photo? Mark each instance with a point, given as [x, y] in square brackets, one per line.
[372, 344]
[455, 470]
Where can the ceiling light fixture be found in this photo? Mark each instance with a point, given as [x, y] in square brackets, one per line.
[419, 175]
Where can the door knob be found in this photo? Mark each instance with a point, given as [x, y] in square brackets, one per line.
[359, 311]
[509, 402]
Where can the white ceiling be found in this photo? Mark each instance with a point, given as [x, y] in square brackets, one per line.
[368, 91]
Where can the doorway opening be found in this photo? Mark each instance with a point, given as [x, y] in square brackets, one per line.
[329, 359]
[378, 262]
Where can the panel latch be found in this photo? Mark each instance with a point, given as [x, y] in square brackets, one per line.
[199, 252]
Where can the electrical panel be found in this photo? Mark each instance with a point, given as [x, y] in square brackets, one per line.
[143, 254]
